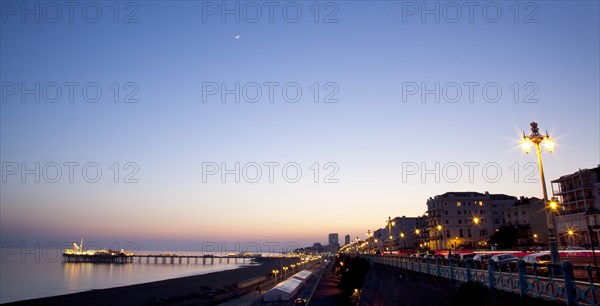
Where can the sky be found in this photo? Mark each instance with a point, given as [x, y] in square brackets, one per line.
[172, 124]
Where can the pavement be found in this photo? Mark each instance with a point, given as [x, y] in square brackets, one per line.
[328, 292]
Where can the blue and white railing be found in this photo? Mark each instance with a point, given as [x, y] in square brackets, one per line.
[564, 289]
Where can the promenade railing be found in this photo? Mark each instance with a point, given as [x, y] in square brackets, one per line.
[520, 278]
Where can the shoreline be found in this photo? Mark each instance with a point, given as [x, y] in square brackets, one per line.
[205, 289]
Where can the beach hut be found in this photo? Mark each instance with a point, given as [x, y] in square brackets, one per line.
[283, 291]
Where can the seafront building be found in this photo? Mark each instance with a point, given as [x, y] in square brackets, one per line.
[579, 215]
[529, 216]
[405, 233]
[465, 219]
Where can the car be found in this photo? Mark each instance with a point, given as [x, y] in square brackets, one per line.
[481, 258]
[505, 260]
[540, 260]
[300, 301]
[574, 248]
[452, 255]
[466, 255]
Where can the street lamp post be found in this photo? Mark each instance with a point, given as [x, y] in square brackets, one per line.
[476, 221]
[403, 241]
[417, 239]
[571, 235]
[369, 235]
[390, 223]
[439, 229]
[536, 138]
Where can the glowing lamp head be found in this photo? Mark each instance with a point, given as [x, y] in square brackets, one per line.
[549, 144]
[476, 220]
[417, 231]
[526, 145]
[553, 205]
[402, 235]
[439, 227]
[570, 232]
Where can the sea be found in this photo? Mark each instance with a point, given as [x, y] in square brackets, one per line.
[29, 274]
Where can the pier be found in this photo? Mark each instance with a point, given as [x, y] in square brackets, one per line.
[122, 258]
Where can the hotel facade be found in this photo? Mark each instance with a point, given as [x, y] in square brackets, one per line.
[465, 219]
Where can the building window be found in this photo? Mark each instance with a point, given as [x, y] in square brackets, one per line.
[459, 221]
[460, 232]
[446, 221]
[459, 212]
[447, 233]
[469, 232]
[480, 203]
[445, 212]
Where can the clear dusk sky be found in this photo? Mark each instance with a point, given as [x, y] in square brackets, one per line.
[498, 66]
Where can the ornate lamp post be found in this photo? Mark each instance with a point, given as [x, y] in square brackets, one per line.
[538, 139]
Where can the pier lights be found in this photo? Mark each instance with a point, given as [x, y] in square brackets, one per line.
[536, 139]
[275, 272]
[293, 266]
[285, 271]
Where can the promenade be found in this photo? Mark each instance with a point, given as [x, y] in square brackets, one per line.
[328, 292]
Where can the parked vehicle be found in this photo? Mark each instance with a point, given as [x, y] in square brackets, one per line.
[540, 260]
[505, 261]
[481, 257]
[480, 260]
[456, 256]
[466, 255]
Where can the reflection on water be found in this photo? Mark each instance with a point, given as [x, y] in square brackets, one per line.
[27, 277]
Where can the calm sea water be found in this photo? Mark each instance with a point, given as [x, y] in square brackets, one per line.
[29, 274]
